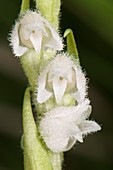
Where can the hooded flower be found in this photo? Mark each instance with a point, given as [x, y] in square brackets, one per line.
[63, 126]
[34, 31]
[61, 76]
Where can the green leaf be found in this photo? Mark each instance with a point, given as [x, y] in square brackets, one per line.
[71, 44]
[24, 6]
[35, 155]
[50, 10]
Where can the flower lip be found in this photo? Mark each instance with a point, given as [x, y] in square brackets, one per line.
[34, 31]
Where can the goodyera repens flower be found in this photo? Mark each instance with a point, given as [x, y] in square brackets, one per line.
[61, 76]
[63, 126]
[34, 31]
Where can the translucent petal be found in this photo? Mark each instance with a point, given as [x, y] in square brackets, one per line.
[81, 84]
[43, 95]
[77, 133]
[42, 79]
[70, 144]
[89, 126]
[69, 75]
[82, 111]
[76, 96]
[17, 49]
[71, 81]
[53, 40]
[79, 137]
[59, 87]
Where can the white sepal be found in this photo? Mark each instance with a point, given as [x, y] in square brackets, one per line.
[81, 85]
[14, 42]
[43, 95]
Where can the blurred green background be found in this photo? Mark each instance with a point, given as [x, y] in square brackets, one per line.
[92, 23]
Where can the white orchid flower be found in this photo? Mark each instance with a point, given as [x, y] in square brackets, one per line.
[61, 76]
[34, 31]
[63, 126]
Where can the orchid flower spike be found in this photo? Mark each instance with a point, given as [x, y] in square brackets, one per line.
[34, 31]
[63, 126]
[61, 76]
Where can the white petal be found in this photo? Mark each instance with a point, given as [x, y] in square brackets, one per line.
[17, 48]
[53, 40]
[89, 126]
[43, 95]
[81, 85]
[75, 131]
[76, 96]
[80, 112]
[52, 43]
[42, 80]
[79, 137]
[69, 75]
[70, 144]
[59, 87]
[72, 80]
[36, 39]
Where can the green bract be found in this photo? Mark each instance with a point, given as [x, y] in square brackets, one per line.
[50, 10]
[25, 6]
[35, 154]
[71, 44]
